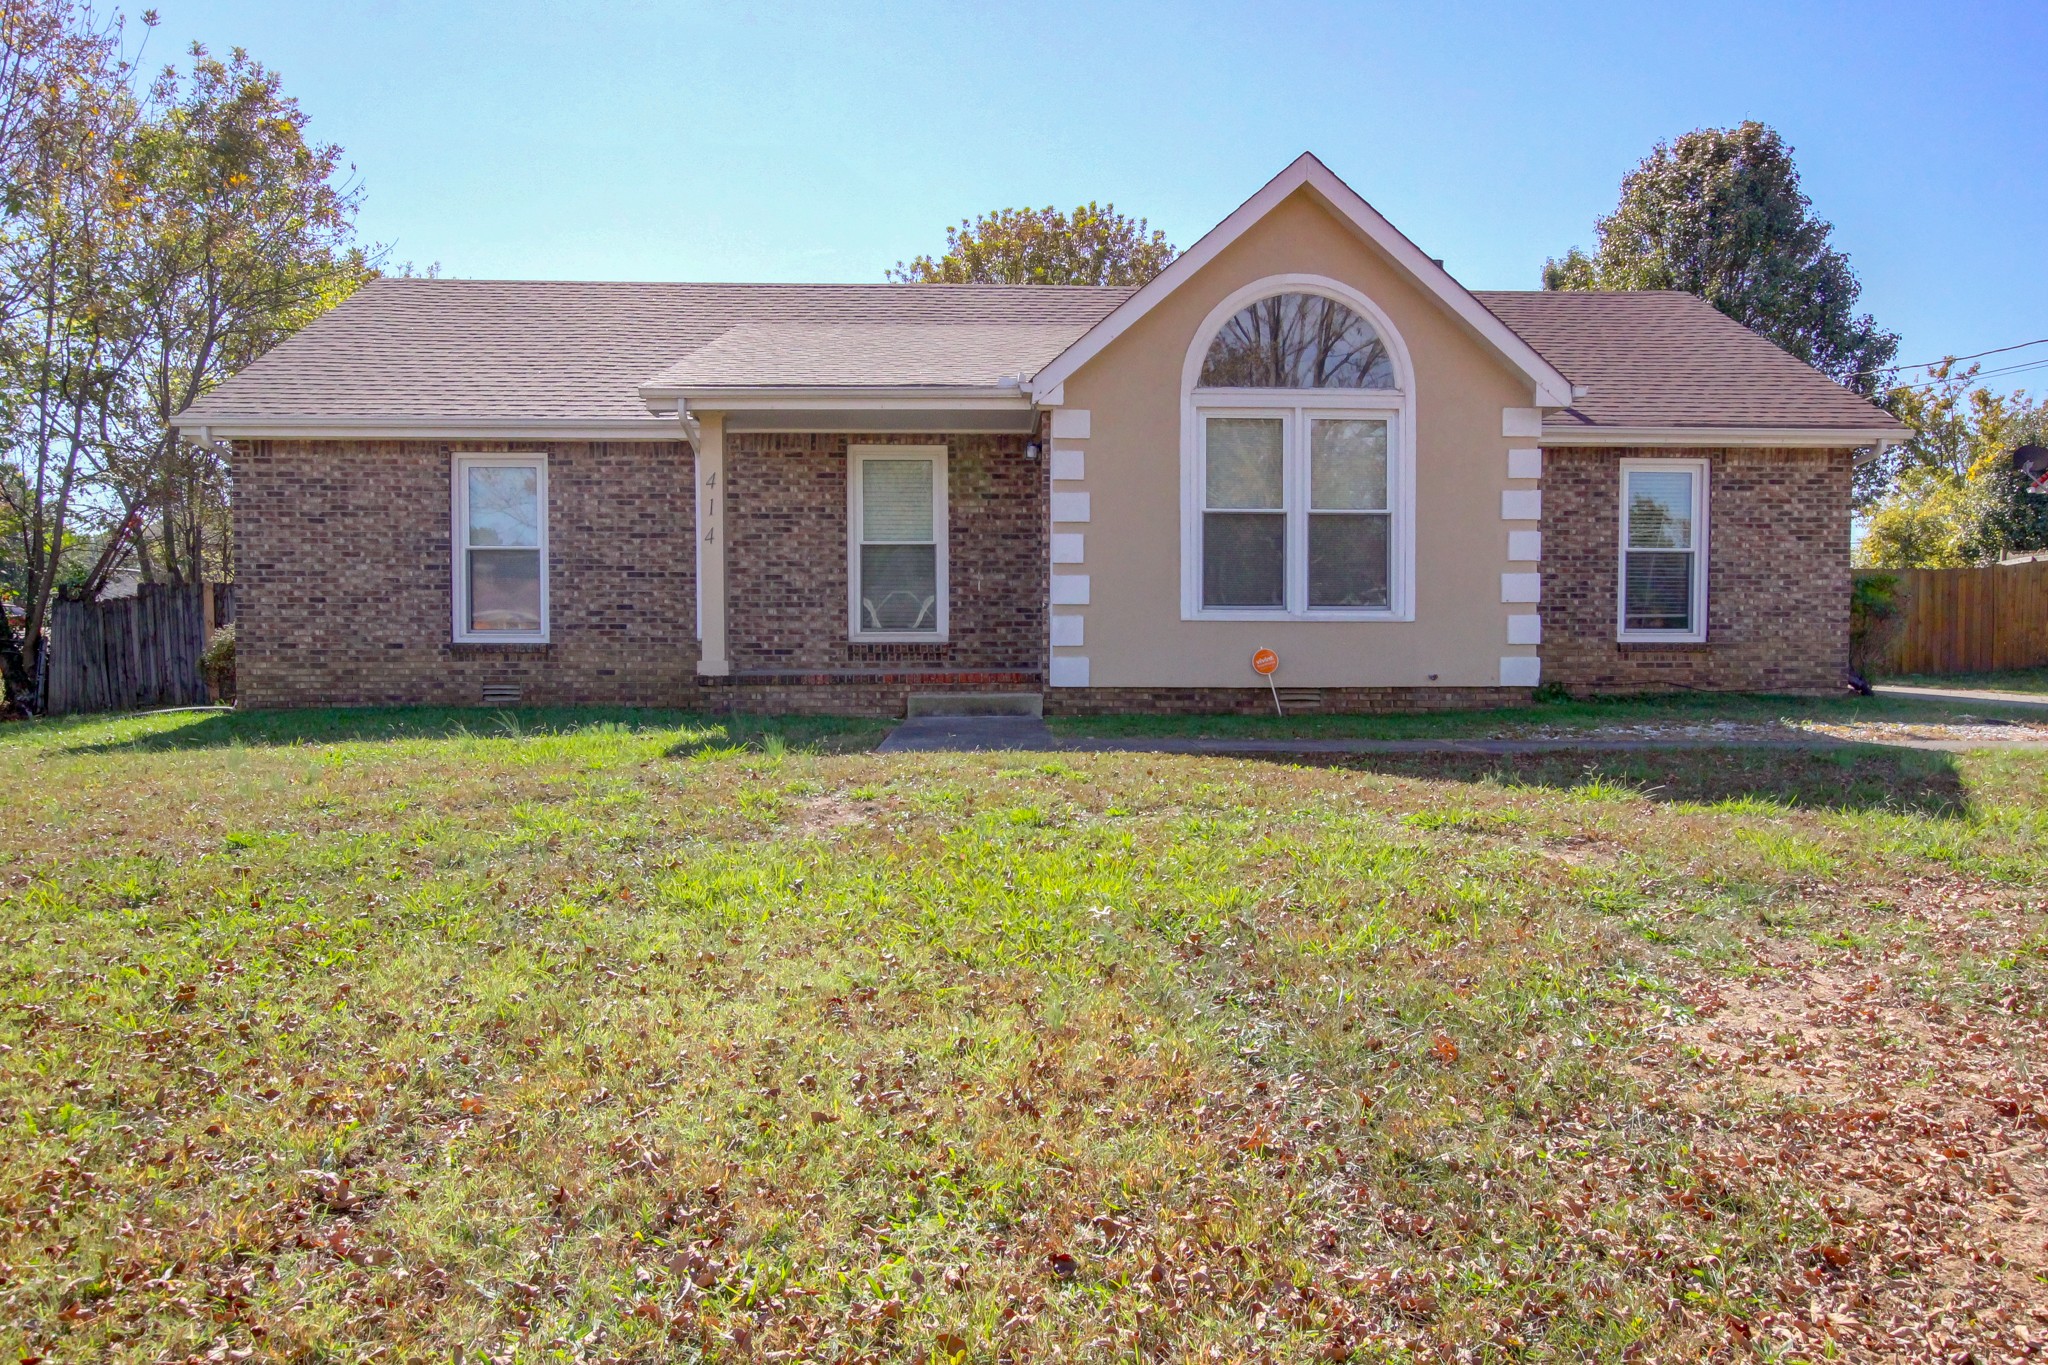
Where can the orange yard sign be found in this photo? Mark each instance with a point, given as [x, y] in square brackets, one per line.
[1266, 663]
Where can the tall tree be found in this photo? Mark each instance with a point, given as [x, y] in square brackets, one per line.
[68, 223]
[151, 242]
[246, 234]
[1093, 245]
[1719, 213]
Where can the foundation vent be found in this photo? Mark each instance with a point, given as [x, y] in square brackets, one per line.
[501, 694]
[1301, 699]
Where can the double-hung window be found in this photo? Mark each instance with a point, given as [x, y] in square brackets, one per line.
[1663, 550]
[1296, 513]
[501, 548]
[896, 551]
[1296, 473]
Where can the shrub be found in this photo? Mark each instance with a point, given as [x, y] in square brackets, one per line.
[1874, 612]
[217, 663]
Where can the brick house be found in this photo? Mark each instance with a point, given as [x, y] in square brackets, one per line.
[1303, 436]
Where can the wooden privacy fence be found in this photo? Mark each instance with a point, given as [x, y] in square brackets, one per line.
[127, 652]
[1970, 620]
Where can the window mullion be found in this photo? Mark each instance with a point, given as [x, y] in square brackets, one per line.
[1296, 486]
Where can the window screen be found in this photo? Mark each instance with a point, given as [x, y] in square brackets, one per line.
[1660, 550]
[898, 553]
[501, 521]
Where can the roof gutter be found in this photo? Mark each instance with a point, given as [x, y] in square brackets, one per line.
[1816, 438]
[664, 399]
[310, 428]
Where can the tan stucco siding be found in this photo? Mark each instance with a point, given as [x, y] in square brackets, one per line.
[1134, 634]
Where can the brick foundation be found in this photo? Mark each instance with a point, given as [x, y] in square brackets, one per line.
[1246, 701]
[343, 591]
[1777, 574]
[850, 692]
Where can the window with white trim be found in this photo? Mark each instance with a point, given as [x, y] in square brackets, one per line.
[896, 552]
[501, 548]
[1663, 550]
[1296, 512]
[1297, 459]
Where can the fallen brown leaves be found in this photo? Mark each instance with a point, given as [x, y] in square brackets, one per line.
[1915, 1109]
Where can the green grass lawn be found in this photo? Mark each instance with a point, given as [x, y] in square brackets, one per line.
[431, 1036]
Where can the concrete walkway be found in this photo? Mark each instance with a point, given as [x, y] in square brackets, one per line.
[976, 734]
[979, 734]
[1308, 748]
[2038, 700]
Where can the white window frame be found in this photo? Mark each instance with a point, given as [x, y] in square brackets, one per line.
[1295, 415]
[458, 541]
[1700, 542]
[856, 456]
[1396, 406]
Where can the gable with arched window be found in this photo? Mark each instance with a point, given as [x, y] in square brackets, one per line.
[1297, 458]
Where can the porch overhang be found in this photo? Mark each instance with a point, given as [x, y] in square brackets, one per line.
[1004, 408]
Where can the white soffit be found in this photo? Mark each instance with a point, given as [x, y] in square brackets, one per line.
[1552, 388]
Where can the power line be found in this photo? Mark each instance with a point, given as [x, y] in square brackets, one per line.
[1951, 359]
[2021, 368]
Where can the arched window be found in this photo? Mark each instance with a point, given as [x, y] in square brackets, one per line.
[1297, 470]
[1297, 341]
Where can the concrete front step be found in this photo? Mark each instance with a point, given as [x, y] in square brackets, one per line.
[975, 704]
[967, 734]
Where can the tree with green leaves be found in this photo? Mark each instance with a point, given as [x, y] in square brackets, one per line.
[246, 234]
[1719, 213]
[1093, 245]
[152, 241]
[66, 222]
[1953, 497]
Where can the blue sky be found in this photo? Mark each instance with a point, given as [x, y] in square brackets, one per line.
[826, 141]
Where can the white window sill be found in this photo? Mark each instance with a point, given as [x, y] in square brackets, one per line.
[505, 639]
[1323, 614]
[900, 637]
[1660, 637]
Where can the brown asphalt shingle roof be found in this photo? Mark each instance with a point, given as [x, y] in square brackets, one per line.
[873, 354]
[406, 350]
[1669, 359]
[412, 349]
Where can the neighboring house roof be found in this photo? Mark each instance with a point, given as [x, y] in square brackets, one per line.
[538, 355]
[1655, 361]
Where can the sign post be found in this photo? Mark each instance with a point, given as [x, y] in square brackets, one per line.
[1266, 663]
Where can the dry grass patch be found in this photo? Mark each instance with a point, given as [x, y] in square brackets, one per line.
[399, 1036]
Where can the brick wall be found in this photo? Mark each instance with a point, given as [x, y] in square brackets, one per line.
[786, 587]
[344, 578]
[1777, 574]
[344, 581]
